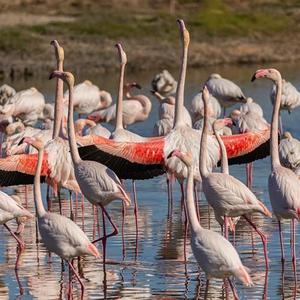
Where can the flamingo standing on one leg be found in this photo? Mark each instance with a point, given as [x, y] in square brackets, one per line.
[228, 196]
[59, 234]
[284, 188]
[99, 184]
[215, 255]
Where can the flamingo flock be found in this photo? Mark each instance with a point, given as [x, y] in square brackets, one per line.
[84, 157]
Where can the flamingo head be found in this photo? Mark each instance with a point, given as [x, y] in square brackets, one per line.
[234, 116]
[122, 54]
[59, 51]
[95, 117]
[67, 77]
[184, 32]
[287, 135]
[186, 158]
[34, 142]
[271, 74]
[219, 124]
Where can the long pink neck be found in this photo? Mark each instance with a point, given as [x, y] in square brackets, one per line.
[59, 94]
[224, 158]
[191, 209]
[37, 186]
[119, 121]
[203, 144]
[71, 130]
[274, 124]
[178, 121]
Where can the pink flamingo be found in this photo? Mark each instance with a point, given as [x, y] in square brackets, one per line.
[284, 188]
[215, 255]
[59, 234]
[228, 196]
[99, 184]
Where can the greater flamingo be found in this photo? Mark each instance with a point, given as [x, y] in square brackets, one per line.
[228, 196]
[215, 255]
[289, 152]
[136, 108]
[164, 83]
[85, 127]
[284, 188]
[59, 234]
[99, 184]
[88, 98]
[6, 92]
[251, 106]
[147, 159]
[226, 91]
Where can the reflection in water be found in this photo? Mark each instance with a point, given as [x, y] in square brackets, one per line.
[159, 270]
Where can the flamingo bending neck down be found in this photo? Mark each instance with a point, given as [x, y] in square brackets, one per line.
[228, 196]
[284, 189]
[59, 234]
[99, 184]
[215, 255]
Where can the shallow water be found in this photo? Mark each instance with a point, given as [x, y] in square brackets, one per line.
[157, 269]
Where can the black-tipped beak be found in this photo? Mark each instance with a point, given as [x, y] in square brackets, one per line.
[138, 86]
[21, 142]
[51, 76]
[253, 77]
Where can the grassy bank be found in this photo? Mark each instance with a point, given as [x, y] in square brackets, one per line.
[221, 32]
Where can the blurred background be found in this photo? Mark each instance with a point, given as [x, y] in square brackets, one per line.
[222, 32]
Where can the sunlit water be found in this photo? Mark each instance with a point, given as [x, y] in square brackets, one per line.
[156, 268]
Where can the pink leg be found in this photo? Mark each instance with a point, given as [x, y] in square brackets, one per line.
[77, 276]
[235, 295]
[20, 242]
[251, 174]
[71, 207]
[82, 210]
[263, 239]
[186, 224]
[226, 227]
[59, 201]
[76, 206]
[281, 243]
[136, 214]
[94, 220]
[123, 225]
[182, 195]
[208, 214]
[294, 249]
[169, 196]
[247, 175]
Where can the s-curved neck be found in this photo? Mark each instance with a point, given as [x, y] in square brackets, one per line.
[274, 125]
[119, 121]
[178, 121]
[37, 186]
[224, 158]
[191, 209]
[59, 94]
[71, 130]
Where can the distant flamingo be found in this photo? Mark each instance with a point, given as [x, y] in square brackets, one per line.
[284, 188]
[88, 98]
[164, 83]
[251, 106]
[136, 108]
[6, 92]
[99, 184]
[215, 255]
[226, 91]
[10, 209]
[85, 126]
[289, 152]
[59, 234]
[228, 196]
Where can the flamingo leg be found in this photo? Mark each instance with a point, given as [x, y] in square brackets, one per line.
[294, 249]
[263, 239]
[235, 295]
[19, 241]
[77, 276]
[281, 243]
[82, 210]
[76, 206]
[185, 231]
[136, 214]
[123, 225]
[71, 207]
[59, 201]
[182, 195]
[94, 220]
[206, 289]
[226, 227]
[169, 187]
[251, 174]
